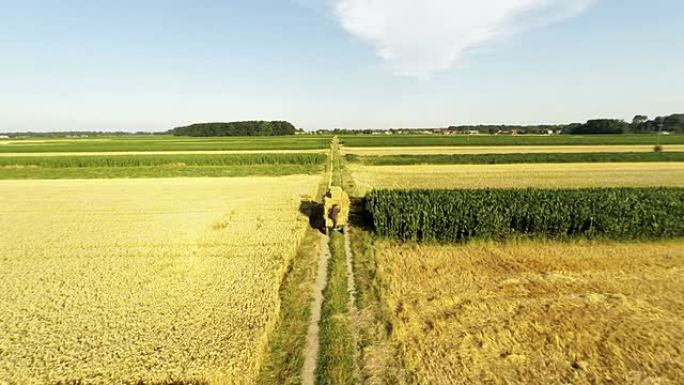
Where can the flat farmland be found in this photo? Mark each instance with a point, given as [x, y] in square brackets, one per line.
[157, 143]
[151, 280]
[517, 311]
[522, 149]
[567, 175]
[513, 158]
[504, 140]
[152, 153]
[534, 313]
[147, 165]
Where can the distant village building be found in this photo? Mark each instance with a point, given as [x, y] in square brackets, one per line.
[4, 137]
[473, 132]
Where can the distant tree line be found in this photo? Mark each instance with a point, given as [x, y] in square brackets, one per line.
[248, 128]
[640, 124]
[671, 123]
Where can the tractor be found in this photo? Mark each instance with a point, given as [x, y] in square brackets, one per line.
[335, 209]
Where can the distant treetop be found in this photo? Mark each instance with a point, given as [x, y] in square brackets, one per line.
[249, 128]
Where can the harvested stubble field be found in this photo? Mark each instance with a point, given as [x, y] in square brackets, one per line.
[117, 281]
[541, 149]
[535, 313]
[568, 175]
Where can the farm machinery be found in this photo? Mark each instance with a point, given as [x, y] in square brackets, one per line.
[336, 209]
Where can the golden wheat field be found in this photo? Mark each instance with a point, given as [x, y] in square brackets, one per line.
[462, 150]
[117, 281]
[569, 175]
[535, 313]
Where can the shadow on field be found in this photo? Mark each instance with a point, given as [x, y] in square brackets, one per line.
[358, 216]
[314, 211]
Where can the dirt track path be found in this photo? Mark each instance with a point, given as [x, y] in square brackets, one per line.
[312, 351]
[351, 305]
[312, 336]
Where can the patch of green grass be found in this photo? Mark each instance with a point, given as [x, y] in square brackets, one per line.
[503, 140]
[285, 354]
[516, 158]
[336, 359]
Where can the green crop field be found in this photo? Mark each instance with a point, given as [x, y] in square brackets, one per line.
[162, 143]
[145, 166]
[587, 157]
[510, 149]
[502, 140]
[461, 215]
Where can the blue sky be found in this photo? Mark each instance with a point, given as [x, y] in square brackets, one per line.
[153, 65]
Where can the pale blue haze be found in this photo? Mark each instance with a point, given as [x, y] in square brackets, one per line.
[153, 65]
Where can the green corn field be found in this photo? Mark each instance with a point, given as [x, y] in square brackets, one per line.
[460, 215]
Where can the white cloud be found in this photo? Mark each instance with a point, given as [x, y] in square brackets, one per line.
[419, 37]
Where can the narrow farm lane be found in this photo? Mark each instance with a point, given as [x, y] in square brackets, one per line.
[312, 337]
[332, 353]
